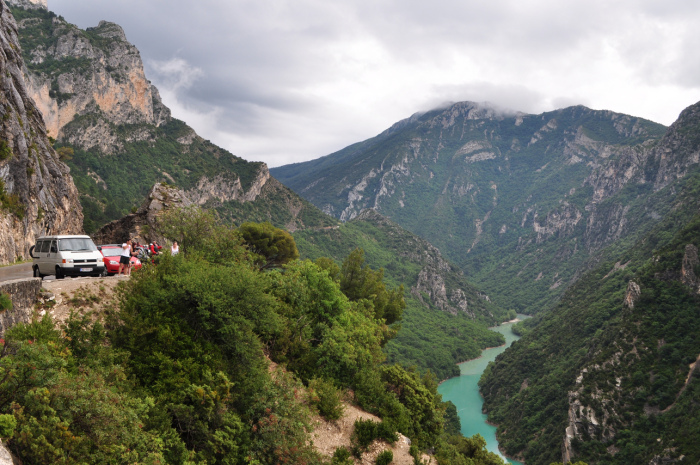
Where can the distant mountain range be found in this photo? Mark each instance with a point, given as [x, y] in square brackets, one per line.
[522, 203]
[587, 218]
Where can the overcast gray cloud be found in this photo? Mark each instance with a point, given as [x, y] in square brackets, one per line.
[284, 81]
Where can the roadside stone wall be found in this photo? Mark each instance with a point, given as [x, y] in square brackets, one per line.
[23, 293]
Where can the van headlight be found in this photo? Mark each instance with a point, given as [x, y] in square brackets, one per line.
[67, 260]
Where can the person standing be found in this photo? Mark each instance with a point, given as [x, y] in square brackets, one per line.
[125, 258]
[175, 249]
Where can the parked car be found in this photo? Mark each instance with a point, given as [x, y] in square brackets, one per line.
[111, 253]
[66, 255]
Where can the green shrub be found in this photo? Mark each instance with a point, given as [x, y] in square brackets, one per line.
[366, 431]
[341, 456]
[7, 426]
[5, 150]
[5, 302]
[11, 202]
[326, 398]
[385, 458]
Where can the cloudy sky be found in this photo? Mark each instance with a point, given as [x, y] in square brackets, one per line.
[284, 81]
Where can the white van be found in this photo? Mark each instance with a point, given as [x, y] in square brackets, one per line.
[66, 256]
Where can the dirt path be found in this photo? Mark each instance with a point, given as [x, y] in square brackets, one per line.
[328, 436]
[83, 295]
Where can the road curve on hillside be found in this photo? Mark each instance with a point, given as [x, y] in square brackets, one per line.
[23, 270]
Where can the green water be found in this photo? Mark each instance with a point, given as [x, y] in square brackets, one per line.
[463, 391]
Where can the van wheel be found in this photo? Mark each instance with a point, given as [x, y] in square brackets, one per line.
[59, 273]
[37, 274]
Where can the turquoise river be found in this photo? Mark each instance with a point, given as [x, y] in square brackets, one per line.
[463, 391]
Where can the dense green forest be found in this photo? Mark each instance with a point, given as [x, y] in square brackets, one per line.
[430, 337]
[628, 368]
[179, 370]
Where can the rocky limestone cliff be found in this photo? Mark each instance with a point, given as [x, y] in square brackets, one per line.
[222, 189]
[30, 4]
[689, 266]
[513, 199]
[38, 195]
[439, 283]
[94, 72]
[143, 225]
[92, 91]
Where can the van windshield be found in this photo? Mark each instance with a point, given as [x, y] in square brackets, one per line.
[76, 244]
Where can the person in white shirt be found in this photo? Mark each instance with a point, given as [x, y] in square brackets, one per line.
[125, 259]
[175, 249]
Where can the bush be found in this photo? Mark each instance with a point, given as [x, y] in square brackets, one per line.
[385, 458]
[5, 302]
[366, 431]
[341, 456]
[326, 398]
[7, 426]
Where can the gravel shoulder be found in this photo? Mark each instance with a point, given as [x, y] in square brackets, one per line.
[81, 295]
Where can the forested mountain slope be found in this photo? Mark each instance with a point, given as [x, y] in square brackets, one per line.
[445, 318]
[113, 130]
[610, 375]
[520, 202]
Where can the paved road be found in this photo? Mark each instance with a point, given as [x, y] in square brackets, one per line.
[8, 273]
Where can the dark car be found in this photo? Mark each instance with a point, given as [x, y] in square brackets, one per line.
[111, 253]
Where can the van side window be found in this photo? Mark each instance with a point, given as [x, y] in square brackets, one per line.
[42, 246]
[54, 248]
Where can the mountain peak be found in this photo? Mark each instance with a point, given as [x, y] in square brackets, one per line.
[109, 30]
[29, 4]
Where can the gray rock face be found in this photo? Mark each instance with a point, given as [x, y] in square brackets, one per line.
[688, 267]
[30, 4]
[39, 196]
[104, 79]
[24, 293]
[142, 225]
[509, 197]
[439, 283]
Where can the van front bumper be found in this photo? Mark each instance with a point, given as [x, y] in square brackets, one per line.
[83, 270]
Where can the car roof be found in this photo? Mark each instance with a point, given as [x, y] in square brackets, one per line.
[65, 236]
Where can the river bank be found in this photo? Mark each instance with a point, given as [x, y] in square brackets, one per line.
[463, 391]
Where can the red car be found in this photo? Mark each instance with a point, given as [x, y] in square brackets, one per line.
[111, 254]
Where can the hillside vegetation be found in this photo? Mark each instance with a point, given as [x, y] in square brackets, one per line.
[179, 372]
[445, 321]
[519, 202]
[609, 374]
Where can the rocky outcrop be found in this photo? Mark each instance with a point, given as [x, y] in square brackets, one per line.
[688, 267]
[29, 4]
[99, 74]
[143, 225]
[560, 222]
[632, 294]
[224, 189]
[37, 193]
[5, 455]
[439, 283]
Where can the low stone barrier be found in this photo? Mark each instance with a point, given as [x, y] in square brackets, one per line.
[23, 293]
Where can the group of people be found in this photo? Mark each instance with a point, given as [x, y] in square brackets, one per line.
[134, 248]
